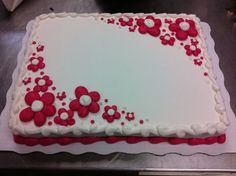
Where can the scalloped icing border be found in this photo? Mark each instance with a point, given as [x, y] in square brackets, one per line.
[212, 129]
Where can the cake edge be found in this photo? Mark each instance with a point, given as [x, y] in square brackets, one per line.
[212, 129]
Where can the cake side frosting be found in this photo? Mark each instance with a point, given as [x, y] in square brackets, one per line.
[218, 126]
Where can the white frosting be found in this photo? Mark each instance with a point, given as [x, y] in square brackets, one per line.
[35, 61]
[192, 48]
[41, 82]
[125, 19]
[37, 106]
[170, 110]
[149, 23]
[64, 116]
[85, 100]
[110, 112]
[167, 37]
[184, 26]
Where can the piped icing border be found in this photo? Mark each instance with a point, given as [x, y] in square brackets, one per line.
[193, 130]
[30, 141]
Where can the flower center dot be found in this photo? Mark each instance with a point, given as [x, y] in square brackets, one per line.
[125, 19]
[85, 100]
[37, 106]
[184, 26]
[149, 23]
[35, 61]
[192, 48]
[41, 82]
[64, 116]
[167, 37]
[110, 112]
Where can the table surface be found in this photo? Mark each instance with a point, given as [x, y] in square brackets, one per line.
[12, 30]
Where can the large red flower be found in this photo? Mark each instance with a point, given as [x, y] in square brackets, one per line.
[85, 102]
[126, 21]
[65, 117]
[149, 25]
[36, 63]
[183, 28]
[111, 113]
[42, 83]
[40, 107]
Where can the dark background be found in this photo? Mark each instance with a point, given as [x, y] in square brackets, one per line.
[219, 14]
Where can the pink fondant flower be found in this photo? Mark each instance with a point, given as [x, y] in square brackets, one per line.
[149, 25]
[192, 50]
[183, 28]
[130, 116]
[126, 21]
[42, 83]
[167, 39]
[85, 102]
[40, 107]
[110, 113]
[65, 117]
[36, 64]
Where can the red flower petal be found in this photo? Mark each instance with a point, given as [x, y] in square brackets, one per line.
[173, 27]
[105, 115]
[110, 119]
[44, 88]
[83, 112]
[49, 82]
[150, 17]
[179, 20]
[130, 23]
[140, 22]
[46, 77]
[94, 95]
[157, 22]
[191, 23]
[154, 31]
[106, 108]
[189, 52]
[114, 107]
[94, 107]
[192, 32]
[37, 80]
[49, 110]
[40, 59]
[181, 35]
[37, 88]
[79, 91]
[117, 115]
[57, 120]
[41, 65]
[61, 110]
[70, 121]
[32, 58]
[26, 115]
[31, 96]
[187, 47]
[70, 113]
[39, 119]
[74, 105]
[48, 98]
[143, 29]
[164, 42]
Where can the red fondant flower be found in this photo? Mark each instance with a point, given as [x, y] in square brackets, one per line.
[42, 83]
[40, 48]
[36, 64]
[192, 50]
[167, 39]
[149, 25]
[183, 28]
[40, 107]
[65, 117]
[111, 113]
[126, 21]
[130, 116]
[85, 102]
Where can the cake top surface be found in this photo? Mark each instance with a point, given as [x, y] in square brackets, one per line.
[117, 74]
